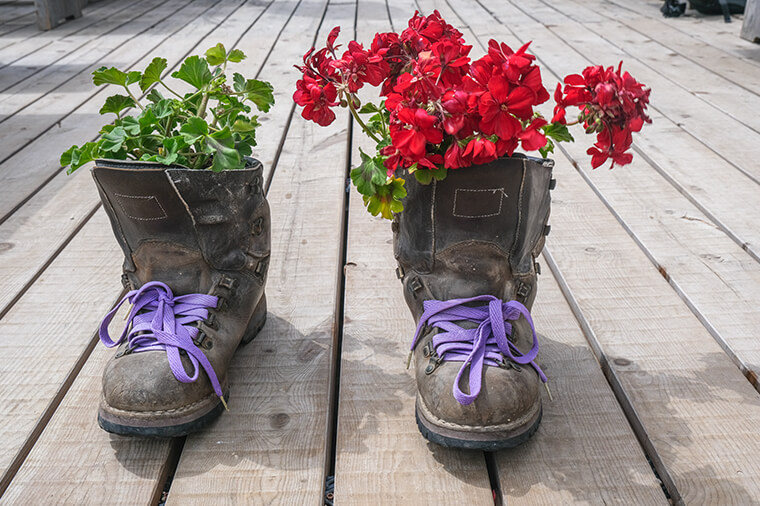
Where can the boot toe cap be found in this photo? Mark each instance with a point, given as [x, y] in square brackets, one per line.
[144, 382]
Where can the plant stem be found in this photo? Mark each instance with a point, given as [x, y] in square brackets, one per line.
[134, 98]
[170, 90]
[359, 120]
[202, 108]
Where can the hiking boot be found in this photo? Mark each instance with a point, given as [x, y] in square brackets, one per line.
[196, 250]
[466, 249]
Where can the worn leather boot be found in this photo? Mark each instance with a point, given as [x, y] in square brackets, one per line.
[466, 249]
[196, 250]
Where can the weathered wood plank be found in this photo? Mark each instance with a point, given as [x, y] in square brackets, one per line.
[675, 42]
[29, 76]
[380, 452]
[708, 269]
[45, 333]
[270, 449]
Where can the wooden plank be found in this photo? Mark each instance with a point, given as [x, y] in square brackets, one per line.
[74, 461]
[45, 333]
[695, 408]
[29, 38]
[49, 109]
[28, 75]
[711, 273]
[10, 13]
[36, 354]
[40, 157]
[697, 50]
[271, 446]
[703, 83]
[709, 270]
[380, 452]
[711, 29]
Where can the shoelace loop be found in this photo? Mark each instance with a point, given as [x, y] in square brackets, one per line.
[160, 321]
[485, 345]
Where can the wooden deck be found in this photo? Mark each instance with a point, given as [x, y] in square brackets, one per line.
[648, 307]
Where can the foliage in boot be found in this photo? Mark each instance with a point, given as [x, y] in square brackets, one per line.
[209, 126]
[444, 111]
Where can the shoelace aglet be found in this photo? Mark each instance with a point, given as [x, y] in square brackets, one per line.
[129, 312]
[224, 403]
[409, 359]
[546, 386]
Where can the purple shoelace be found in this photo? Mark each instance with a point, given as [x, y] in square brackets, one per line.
[165, 324]
[485, 345]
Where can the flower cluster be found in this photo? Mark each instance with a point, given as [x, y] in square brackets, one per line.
[444, 111]
[613, 106]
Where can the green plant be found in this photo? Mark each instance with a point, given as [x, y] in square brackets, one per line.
[208, 127]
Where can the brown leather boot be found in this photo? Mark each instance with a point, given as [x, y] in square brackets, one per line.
[196, 246]
[472, 239]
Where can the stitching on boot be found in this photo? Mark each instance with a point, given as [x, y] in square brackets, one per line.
[485, 428]
[144, 197]
[146, 414]
[500, 191]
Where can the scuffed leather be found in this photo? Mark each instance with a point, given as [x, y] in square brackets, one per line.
[196, 231]
[476, 232]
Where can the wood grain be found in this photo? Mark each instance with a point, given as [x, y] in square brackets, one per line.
[270, 448]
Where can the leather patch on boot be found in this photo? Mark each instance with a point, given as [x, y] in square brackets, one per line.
[141, 207]
[480, 203]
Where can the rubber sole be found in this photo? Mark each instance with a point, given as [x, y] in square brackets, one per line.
[183, 421]
[474, 439]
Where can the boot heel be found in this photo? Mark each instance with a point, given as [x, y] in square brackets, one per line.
[258, 319]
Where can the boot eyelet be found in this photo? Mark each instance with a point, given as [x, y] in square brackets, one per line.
[228, 282]
[211, 322]
[258, 226]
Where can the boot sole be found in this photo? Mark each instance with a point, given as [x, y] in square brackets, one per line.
[182, 421]
[475, 438]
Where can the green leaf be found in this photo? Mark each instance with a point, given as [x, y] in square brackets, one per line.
[76, 156]
[242, 125]
[113, 140]
[112, 75]
[134, 77]
[131, 125]
[216, 55]
[194, 71]
[548, 148]
[195, 129]
[238, 82]
[116, 104]
[148, 121]
[171, 147]
[152, 73]
[369, 175]
[369, 108]
[558, 132]
[163, 108]
[260, 93]
[154, 96]
[423, 176]
[226, 157]
[236, 56]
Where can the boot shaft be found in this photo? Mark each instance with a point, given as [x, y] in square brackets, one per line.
[476, 232]
[184, 226]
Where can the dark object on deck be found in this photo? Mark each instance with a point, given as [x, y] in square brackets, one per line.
[52, 12]
[672, 8]
[725, 7]
[751, 26]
